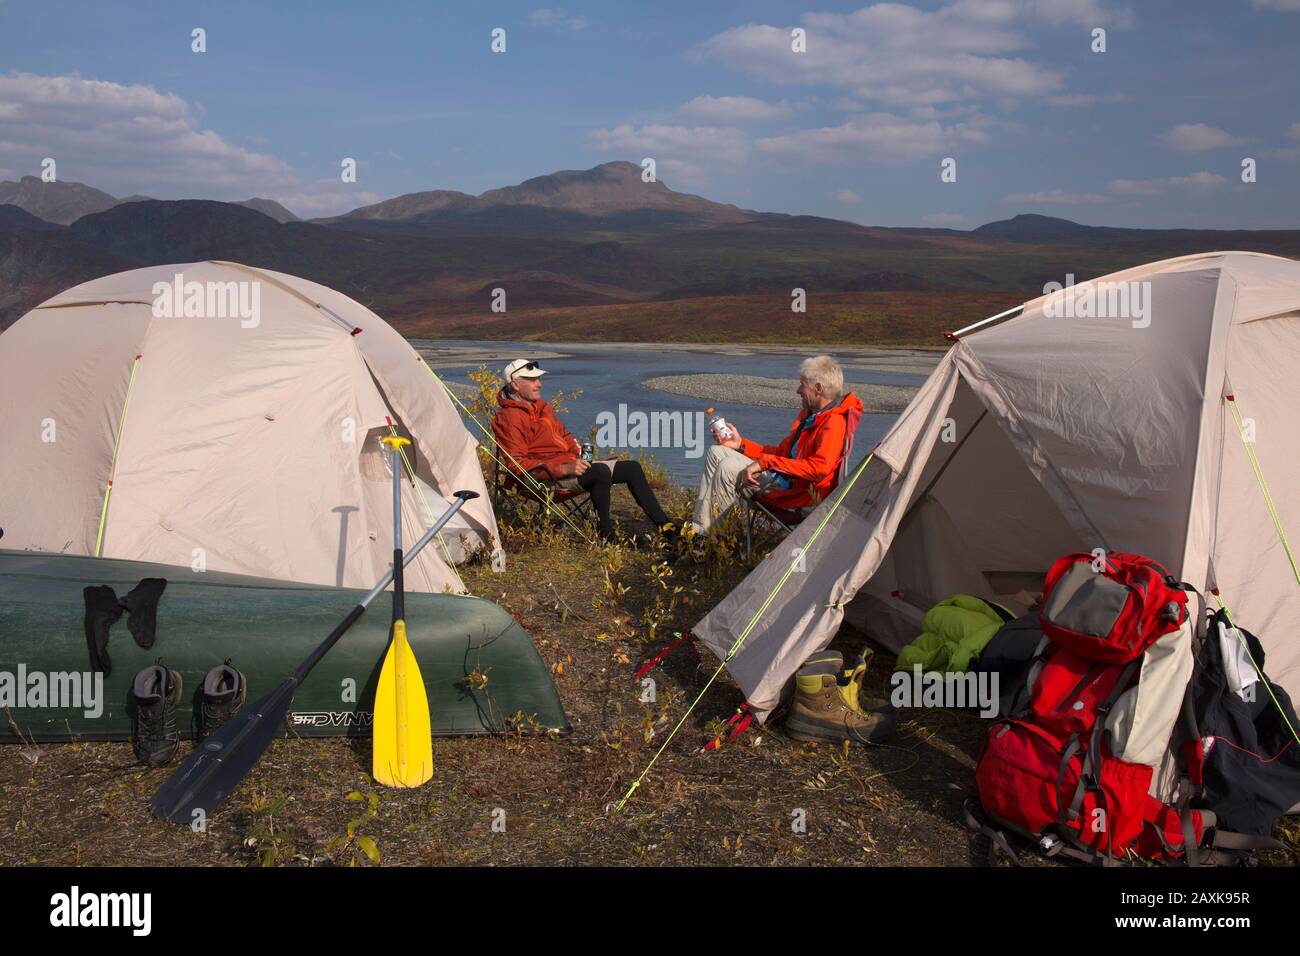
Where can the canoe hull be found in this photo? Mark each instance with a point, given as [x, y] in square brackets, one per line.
[482, 673]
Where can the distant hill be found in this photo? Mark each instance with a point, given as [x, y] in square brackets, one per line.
[57, 202]
[597, 249]
[605, 200]
[269, 207]
[36, 263]
[14, 218]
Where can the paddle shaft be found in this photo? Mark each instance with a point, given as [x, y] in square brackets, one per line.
[399, 609]
[212, 771]
[392, 574]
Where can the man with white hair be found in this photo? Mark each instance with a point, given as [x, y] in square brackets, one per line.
[802, 469]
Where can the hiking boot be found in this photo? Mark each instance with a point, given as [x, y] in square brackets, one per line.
[222, 694]
[157, 691]
[828, 704]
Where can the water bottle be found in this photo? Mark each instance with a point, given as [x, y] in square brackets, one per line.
[720, 427]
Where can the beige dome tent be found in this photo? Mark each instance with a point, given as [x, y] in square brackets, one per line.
[237, 414]
[1147, 411]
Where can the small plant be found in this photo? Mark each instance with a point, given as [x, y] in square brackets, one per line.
[271, 847]
[353, 842]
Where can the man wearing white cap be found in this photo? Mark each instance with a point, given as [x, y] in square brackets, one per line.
[534, 439]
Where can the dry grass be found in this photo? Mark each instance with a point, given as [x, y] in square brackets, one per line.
[594, 615]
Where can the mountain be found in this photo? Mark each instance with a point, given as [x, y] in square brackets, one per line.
[1030, 227]
[13, 218]
[410, 205]
[605, 189]
[269, 207]
[37, 263]
[594, 204]
[58, 202]
[598, 253]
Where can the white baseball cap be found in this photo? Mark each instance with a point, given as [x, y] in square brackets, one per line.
[523, 368]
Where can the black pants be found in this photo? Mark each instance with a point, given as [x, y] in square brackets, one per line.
[597, 481]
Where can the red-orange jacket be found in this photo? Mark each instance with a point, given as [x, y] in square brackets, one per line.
[532, 435]
[815, 468]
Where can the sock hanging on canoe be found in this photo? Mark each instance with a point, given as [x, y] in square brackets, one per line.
[142, 604]
[102, 611]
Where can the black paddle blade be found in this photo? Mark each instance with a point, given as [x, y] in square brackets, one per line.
[215, 767]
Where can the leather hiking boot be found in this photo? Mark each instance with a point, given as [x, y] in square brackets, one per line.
[224, 689]
[828, 704]
[157, 691]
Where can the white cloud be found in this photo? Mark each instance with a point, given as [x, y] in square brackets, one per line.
[891, 53]
[125, 139]
[1198, 137]
[1056, 197]
[130, 139]
[557, 19]
[733, 109]
[943, 219]
[1137, 187]
[1283, 6]
[901, 55]
[1087, 99]
[1082, 13]
[1196, 182]
[873, 137]
[687, 151]
[847, 196]
[325, 197]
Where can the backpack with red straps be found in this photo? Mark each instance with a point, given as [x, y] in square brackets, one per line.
[1099, 760]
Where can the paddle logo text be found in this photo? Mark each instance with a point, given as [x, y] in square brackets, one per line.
[916, 688]
[57, 690]
[638, 429]
[1099, 300]
[75, 908]
[179, 299]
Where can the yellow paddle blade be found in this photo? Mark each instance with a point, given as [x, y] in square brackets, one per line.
[403, 750]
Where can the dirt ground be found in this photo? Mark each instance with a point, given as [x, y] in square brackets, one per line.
[595, 616]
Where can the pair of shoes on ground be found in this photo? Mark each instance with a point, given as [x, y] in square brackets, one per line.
[829, 705]
[156, 691]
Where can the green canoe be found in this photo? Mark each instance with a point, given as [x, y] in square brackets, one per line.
[481, 671]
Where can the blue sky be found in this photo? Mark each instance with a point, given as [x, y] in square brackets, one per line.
[1151, 132]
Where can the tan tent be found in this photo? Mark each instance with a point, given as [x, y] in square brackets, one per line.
[237, 413]
[1066, 427]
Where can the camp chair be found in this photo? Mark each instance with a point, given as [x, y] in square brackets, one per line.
[765, 521]
[541, 496]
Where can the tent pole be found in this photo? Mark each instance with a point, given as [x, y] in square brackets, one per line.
[954, 336]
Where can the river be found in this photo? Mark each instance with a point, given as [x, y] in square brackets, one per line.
[610, 374]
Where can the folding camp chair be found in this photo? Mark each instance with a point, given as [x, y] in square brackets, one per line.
[542, 496]
[765, 521]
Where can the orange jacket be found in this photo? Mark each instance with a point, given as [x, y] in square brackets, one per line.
[532, 435]
[815, 468]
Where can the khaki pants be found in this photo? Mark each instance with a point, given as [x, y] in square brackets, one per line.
[718, 485]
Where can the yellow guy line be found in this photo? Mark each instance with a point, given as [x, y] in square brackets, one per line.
[112, 467]
[744, 635]
[1263, 485]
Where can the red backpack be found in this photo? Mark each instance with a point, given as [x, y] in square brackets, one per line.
[1091, 765]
